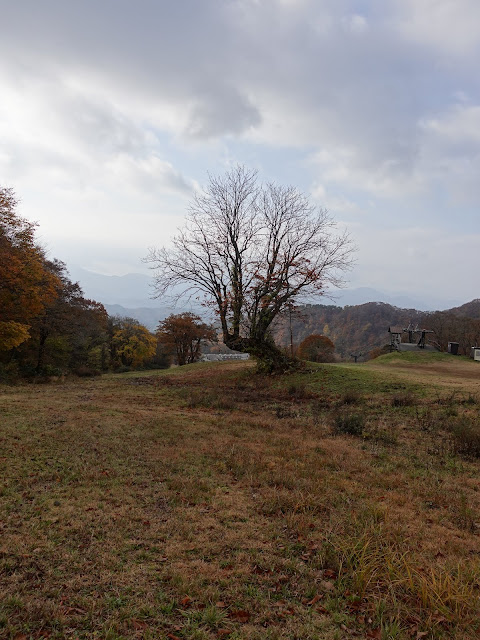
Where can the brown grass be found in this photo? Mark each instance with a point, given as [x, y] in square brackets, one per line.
[207, 502]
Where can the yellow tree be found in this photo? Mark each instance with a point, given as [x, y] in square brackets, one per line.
[132, 344]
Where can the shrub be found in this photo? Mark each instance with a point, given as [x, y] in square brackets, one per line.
[470, 399]
[209, 400]
[9, 373]
[405, 399]
[87, 372]
[428, 420]
[351, 397]
[317, 348]
[122, 369]
[299, 391]
[351, 424]
[465, 433]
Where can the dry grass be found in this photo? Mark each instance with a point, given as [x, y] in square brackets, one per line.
[207, 502]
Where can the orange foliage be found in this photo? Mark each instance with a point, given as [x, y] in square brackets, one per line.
[182, 334]
[26, 286]
[317, 348]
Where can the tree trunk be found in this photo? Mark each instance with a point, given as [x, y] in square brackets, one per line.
[270, 358]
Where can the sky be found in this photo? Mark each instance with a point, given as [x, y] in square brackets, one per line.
[113, 112]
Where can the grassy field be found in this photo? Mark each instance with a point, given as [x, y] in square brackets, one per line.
[209, 502]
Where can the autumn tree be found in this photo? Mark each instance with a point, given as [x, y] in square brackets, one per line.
[131, 344]
[317, 348]
[26, 285]
[71, 330]
[183, 334]
[249, 250]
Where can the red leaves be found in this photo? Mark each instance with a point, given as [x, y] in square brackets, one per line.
[239, 615]
[139, 625]
[186, 601]
[330, 573]
[68, 611]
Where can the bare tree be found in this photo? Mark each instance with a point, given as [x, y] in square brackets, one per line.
[250, 250]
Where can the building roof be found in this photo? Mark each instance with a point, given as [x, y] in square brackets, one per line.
[395, 330]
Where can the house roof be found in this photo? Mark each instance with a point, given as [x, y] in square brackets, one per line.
[395, 330]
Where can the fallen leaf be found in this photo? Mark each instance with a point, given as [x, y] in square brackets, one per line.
[355, 605]
[330, 573]
[73, 610]
[314, 600]
[223, 633]
[240, 615]
[375, 633]
[220, 604]
[421, 634]
[138, 625]
[172, 636]
[185, 601]
[326, 585]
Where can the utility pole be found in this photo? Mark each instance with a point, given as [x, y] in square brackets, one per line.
[291, 332]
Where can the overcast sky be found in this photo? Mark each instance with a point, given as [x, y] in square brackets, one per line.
[112, 112]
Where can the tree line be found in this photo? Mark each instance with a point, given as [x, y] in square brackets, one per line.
[49, 328]
[364, 328]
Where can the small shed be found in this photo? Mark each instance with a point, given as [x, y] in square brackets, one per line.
[453, 348]
[395, 337]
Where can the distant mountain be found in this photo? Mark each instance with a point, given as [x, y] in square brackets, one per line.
[469, 309]
[357, 320]
[148, 316]
[130, 290]
[362, 295]
[134, 290]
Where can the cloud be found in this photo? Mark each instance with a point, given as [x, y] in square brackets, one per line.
[450, 27]
[114, 108]
[416, 258]
[220, 112]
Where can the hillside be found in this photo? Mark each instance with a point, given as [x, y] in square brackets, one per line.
[207, 502]
[353, 329]
[361, 328]
[469, 309]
